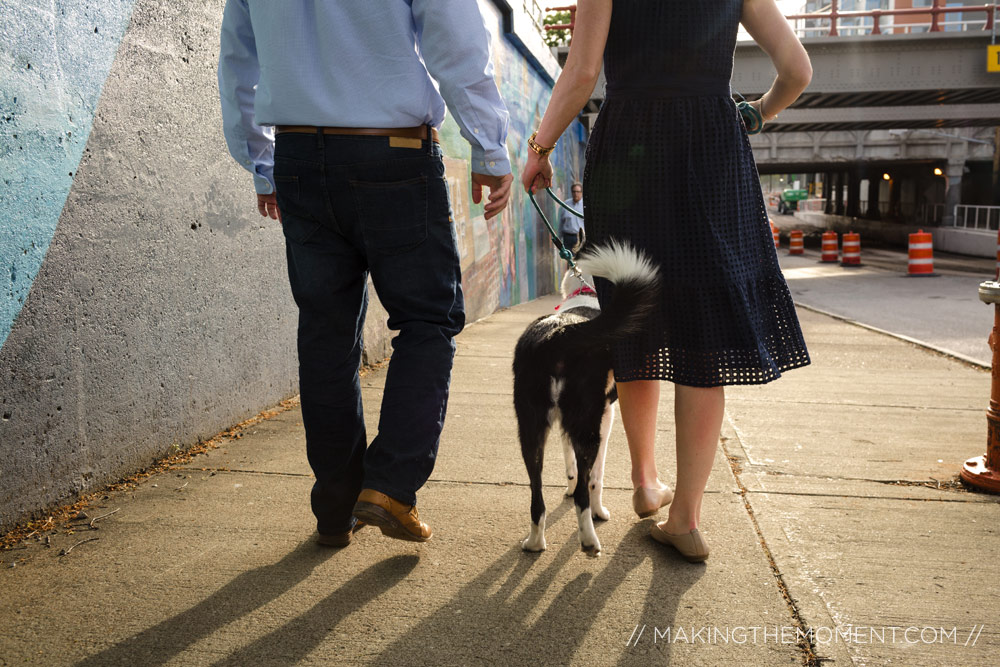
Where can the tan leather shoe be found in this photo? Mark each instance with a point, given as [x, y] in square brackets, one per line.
[393, 517]
[692, 546]
[338, 540]
[648, 501]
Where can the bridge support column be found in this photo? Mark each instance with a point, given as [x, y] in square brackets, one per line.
[874, 185]
[895, 190]
[838, 207]
[853, 193]
[828, 193]
[953, 190]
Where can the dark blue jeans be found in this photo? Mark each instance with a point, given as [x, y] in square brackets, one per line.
[570, 240]
[354, 205]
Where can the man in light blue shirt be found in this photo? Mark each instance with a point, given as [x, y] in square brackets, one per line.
[571, 225]
[333, 107]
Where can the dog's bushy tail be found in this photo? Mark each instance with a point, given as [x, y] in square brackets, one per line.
[636, 290]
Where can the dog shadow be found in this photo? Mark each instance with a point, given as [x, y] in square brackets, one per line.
[496, 618]
[250, 591]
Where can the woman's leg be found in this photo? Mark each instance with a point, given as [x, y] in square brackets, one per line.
[639, 401]
[698, 415]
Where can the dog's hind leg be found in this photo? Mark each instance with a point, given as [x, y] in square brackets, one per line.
[597, 475]
[585, 520]
[569, 456]
[533, 427]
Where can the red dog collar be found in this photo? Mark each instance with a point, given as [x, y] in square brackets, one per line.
[583, 290]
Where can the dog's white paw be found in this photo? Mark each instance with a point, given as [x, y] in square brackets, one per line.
[531, 544]
[588, 536]
[570, 486]
[593, 550]
[535, 541]
[601, 513]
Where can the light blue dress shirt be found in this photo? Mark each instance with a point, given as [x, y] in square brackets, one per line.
[357, 63]
[569, 223]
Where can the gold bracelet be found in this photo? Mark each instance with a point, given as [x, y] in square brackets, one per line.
[538, 148]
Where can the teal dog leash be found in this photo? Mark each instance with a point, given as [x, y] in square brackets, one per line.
[564, 252]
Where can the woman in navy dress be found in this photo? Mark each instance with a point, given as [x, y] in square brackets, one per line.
[670, 170]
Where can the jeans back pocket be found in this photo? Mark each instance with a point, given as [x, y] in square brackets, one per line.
[393, 215]
[297, 200]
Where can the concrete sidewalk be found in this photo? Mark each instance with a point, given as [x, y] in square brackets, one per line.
[823, 512]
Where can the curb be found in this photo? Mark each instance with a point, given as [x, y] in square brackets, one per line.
[919, 343]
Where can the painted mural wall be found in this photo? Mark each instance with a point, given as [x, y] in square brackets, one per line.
[143, 303]
[509, 259]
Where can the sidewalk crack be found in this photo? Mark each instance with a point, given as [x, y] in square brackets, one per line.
[248, 472]
[805, 643]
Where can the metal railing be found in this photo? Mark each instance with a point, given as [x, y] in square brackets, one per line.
[985, 218]
[883, 207]
[929, 214]
[869, 22]
[534, 10]
[563, 26]
[815, 205]
[913, 19]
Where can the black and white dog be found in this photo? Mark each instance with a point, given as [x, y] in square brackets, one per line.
[562, 372]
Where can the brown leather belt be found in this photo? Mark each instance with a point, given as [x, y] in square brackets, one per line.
[419, 132]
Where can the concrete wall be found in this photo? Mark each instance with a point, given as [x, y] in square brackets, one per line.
[143, 303]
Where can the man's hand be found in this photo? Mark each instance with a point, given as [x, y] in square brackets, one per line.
[267, 205]
[499, 191]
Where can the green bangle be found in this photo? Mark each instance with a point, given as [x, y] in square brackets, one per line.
[752, 118]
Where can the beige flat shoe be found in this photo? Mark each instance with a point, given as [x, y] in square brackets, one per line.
[692, 546]
[647, 502]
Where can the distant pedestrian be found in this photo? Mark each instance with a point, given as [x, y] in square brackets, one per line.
[670, 170]
[571, 226]
[358, 185]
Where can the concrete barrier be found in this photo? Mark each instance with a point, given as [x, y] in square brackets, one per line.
[975, 243]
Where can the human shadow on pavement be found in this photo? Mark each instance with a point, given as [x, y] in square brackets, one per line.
[294, 640]
[496, 618]
[244, 594]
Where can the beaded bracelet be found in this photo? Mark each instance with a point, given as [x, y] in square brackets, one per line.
[752, 118]
[538, 148]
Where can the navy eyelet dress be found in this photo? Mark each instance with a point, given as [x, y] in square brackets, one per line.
[669, 169]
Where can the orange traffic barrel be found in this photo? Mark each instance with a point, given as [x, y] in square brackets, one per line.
[829, 248]
[921, 254]
[851, 251]
[795, 246]
[777, 239]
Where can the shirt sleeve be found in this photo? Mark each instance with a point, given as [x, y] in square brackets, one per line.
[252, 145]
[455, 46]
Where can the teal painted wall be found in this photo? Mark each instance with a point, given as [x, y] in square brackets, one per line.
[56, 57]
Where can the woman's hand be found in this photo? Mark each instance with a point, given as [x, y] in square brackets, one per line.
[573, 88]
[537, 174]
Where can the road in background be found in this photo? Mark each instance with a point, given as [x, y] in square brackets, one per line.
[943, 311]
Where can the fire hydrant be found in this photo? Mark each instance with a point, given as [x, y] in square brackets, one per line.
[983, 472]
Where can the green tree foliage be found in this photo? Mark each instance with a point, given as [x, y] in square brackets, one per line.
[556, 37]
